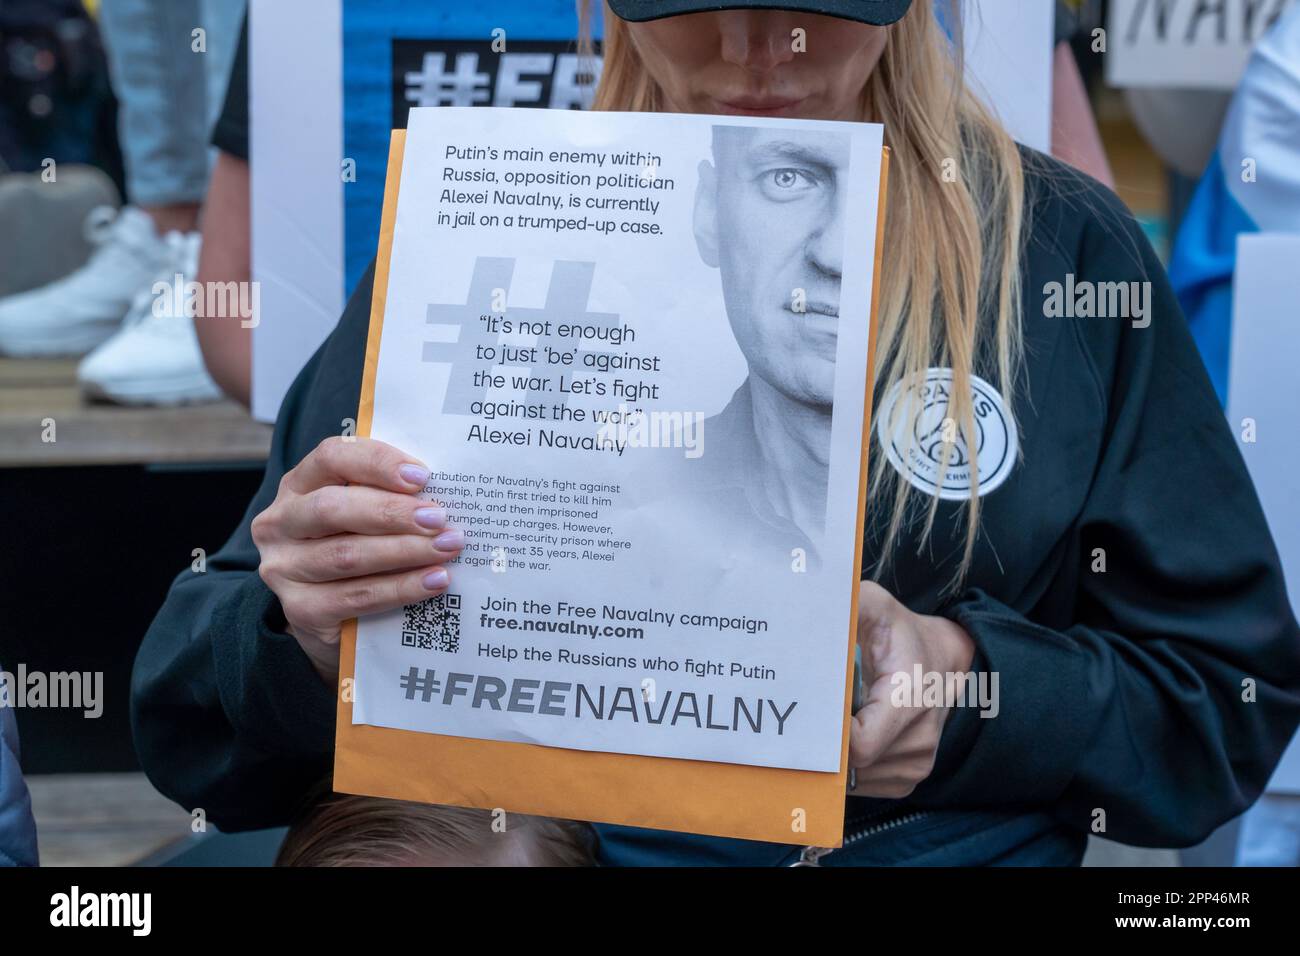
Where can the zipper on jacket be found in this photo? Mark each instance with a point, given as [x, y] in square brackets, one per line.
[813, 855]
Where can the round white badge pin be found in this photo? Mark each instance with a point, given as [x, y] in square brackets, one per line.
[915, 448]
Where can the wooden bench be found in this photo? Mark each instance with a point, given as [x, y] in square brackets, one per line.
[39, 399]
[102, 819]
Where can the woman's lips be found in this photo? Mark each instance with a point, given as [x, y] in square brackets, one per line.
[759, 105]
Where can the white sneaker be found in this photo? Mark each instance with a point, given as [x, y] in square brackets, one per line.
[77, 313]
[155, 359]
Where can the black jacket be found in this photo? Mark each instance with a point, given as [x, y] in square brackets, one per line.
[1121, 691]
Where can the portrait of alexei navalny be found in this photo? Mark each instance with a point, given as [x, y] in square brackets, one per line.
[769, 210]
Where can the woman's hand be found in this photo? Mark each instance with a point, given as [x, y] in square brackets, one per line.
[346, 536]
[892, 748]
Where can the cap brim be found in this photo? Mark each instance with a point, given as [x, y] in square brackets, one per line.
[874, 12]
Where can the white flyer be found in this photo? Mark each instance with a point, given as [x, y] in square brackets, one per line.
[633, 349]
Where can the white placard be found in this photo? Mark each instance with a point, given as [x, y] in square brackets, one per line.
[296, 141]
[1185, 43]
[1263, 388]
[680, 583]
[1008, 48]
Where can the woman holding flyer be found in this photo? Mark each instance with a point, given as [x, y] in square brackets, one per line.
[1056, 505]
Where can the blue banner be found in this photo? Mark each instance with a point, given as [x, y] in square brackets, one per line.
[399, 55]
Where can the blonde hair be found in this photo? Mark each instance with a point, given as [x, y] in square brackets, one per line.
[953, 237]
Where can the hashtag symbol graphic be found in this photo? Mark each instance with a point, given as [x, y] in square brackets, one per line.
[434, 86]
[566, 302]
[424, 683]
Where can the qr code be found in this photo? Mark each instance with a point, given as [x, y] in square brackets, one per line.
[433, 625]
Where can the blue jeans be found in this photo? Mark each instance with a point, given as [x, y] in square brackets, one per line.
[1270, 832]
[169, 94]
[17, 829]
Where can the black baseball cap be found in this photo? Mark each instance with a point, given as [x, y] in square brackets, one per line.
[875, 12]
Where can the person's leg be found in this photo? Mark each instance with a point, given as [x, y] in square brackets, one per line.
[1075, 137]
[17, 828]
[160, 55]
[1270, 832]
[223, 20]
[225, 341]
[160, 81]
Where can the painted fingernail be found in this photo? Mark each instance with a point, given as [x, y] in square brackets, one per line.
[431, 518]
[414, 475]
[435, 580]
[449, 541]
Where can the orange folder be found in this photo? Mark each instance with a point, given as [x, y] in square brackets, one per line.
[720, 799]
